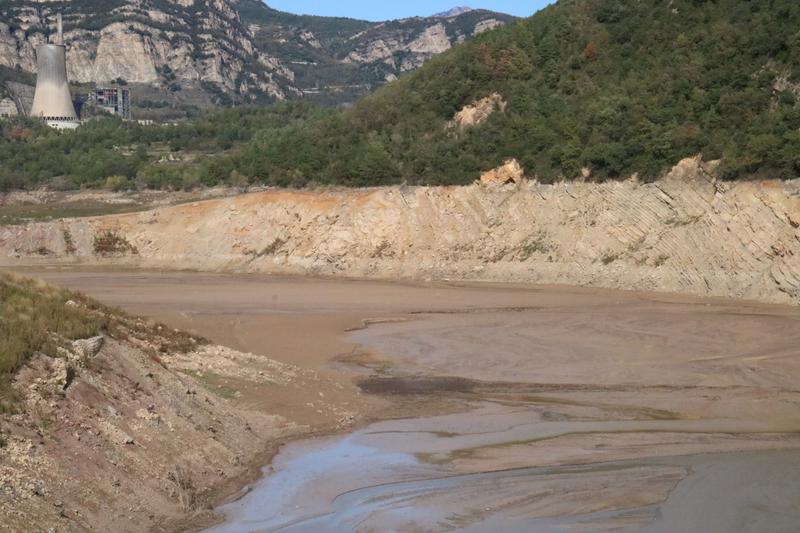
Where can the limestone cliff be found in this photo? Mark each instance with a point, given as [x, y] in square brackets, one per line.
[688, 232]
[242, 47]
[168, 43]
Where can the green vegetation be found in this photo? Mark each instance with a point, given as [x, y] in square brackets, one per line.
[618, 87]
[22, 213]
[118, 155]
[38, 318]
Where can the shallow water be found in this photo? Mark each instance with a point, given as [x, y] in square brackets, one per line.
[576, 410]
[353, 483]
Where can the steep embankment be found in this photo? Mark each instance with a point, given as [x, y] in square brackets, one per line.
[114, 423]
[686, 233]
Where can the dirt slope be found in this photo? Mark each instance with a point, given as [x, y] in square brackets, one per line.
[688, 233]
[125, 432]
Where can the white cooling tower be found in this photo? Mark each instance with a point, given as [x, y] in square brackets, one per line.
[52, 100]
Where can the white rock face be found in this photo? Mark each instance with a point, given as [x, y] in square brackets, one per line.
[479, 112]
[432, 41]
[486, 25]
[140, 52]
[125, 53]
[409, 49]
[8, 108]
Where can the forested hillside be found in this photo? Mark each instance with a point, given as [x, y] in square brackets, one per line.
[110, 153]
[600, 87]
[618, 87]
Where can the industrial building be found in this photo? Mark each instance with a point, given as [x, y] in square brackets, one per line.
[8, 108]
[52, 101]
[114, 100]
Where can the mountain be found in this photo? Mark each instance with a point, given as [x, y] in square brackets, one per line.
[338, 59]
[454, 12]
[220, 51]
[588, 89]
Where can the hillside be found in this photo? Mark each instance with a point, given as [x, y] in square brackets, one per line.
[207, 52]
[99, 406]
[605, 89]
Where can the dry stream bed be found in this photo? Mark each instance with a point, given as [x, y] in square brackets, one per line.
[502, 407]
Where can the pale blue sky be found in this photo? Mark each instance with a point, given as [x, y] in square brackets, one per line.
[385, 10]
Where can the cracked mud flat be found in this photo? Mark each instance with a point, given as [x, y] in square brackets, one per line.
[511, 408]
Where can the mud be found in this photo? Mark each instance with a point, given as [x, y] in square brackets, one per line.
[506, 408]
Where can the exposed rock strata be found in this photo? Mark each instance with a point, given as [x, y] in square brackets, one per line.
[242, 46]
[688, 233]
[176, 45]
[143, 428]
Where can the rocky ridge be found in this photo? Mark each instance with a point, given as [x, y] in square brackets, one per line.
[163, 42]
[242, 47]
[688, 233]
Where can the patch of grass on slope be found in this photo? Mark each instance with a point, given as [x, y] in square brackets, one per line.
[35, 317]
[38, 318]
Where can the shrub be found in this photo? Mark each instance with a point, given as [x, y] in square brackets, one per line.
[110, 242]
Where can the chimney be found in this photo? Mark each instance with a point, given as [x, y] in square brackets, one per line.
[60, 37]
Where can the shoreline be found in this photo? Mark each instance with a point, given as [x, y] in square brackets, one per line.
[363, 319]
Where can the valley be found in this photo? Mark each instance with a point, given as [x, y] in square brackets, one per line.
[530, 403]
[458, 272]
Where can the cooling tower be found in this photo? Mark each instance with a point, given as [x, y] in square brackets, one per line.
[52, 100]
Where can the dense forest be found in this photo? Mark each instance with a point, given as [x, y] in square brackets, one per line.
[619, 87]
[110, 153]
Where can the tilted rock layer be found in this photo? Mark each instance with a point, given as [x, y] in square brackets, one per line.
[688, 233]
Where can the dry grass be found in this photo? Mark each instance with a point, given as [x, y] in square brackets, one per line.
[185, 491]
[39, 318]
[33, 315]
[111, 243]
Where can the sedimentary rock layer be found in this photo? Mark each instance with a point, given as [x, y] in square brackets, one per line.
[688, 233]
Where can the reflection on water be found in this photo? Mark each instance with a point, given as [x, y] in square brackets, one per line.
[371, 480]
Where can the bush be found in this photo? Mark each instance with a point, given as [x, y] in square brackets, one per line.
[117, 183]
[110, 243]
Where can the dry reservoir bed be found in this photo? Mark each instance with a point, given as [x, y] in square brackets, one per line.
[507, 408]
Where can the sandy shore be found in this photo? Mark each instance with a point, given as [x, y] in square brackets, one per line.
[475, 379]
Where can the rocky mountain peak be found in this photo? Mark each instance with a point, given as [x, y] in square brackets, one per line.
[454, 12]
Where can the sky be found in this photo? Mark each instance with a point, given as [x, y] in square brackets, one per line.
[385, 10]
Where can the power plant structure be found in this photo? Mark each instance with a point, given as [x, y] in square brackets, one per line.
[113, 100]
[52, 100]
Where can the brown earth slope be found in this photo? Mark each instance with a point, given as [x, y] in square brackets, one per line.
[142, 427]
[688, 233]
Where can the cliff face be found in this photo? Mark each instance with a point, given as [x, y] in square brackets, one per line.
[241, 46]
[688, 233]
[160, 42]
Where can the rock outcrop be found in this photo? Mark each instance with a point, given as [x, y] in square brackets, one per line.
[149, 41]
[687, 233]
[242, 47]
[479, 112]
[134, 431]
[404, 45]
[507, 173]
